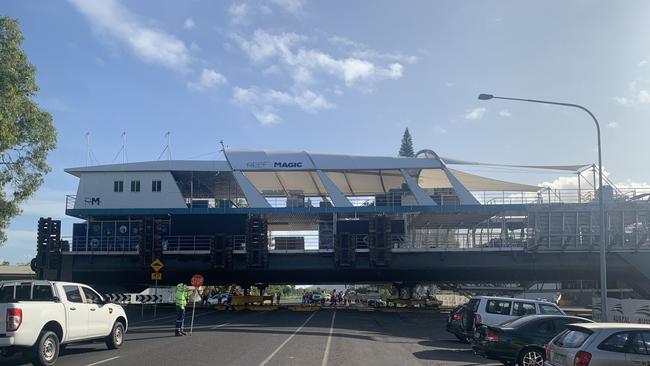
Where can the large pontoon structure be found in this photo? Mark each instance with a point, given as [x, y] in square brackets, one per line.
[264, 217]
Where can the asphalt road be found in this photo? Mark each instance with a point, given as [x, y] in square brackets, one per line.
[326, 337]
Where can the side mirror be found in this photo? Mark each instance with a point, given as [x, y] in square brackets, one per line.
[56, 299]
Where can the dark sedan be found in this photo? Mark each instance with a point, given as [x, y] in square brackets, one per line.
[521, 341]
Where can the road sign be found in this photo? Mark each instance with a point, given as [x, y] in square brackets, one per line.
[149, 298]
[156, 276]
[157, 265]
[197, 280]
[118, 297]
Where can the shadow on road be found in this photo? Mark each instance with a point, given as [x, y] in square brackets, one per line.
[450, 355]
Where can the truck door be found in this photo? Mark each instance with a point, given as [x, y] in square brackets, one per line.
[98, 316]
[77, 313]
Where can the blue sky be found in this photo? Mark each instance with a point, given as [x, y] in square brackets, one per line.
[336, 76]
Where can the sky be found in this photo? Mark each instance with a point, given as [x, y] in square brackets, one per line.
[335, 76]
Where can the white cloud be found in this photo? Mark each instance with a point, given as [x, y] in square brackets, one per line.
[449, 84]
[195, 47]
[209, 79]
[625, 102]
[440, 129]
[189, 23]
[612, 124]
[505, 113]
[266, 116]
[239, 12]
[263, 103]
[643, 96]
[306, 100]
[643, 63]
[360, 50]
[476, 113]
[46, 202]
[303, 62]
[290, 6]
[149, 44]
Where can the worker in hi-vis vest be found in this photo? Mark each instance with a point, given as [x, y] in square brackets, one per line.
[181, 300]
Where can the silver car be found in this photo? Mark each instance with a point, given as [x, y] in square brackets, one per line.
[600, 344]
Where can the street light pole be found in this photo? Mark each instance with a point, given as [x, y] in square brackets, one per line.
[601, 200]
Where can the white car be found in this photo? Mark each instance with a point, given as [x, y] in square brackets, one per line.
[43, 316]
[600, 344]
[491, 310]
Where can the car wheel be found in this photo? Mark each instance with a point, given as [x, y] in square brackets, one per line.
[531, 357]
[116, 338]
[462, 338]
[46, 350]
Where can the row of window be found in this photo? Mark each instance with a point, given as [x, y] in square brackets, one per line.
[118, 186]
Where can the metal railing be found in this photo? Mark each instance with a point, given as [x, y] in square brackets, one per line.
[186, 243]
[99, 244]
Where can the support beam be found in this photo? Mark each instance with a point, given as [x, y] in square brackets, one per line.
[337, 197]
[253, 197]
[420, 195]
[464, 196]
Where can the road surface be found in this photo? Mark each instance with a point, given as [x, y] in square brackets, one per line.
[325, 337]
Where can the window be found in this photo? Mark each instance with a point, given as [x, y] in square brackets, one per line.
[7, 293]
[615, 343]
[572, 338]
[135, 186]
[523, 308]
[118, 186]
[545, 327]
[500, 307]
[641, 343]
[156, 186]
[548, 309]
[91, 296]
[24, 291]
[43, 293]
[72, 293]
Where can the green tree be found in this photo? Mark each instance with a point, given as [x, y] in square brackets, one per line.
[26, 132]
[407, 145]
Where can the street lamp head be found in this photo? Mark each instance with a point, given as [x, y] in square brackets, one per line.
[485, 96]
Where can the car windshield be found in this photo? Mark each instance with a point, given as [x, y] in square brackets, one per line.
[572, 338]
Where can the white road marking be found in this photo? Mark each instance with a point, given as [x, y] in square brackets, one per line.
[166, 318]
[329, 341]
[266, 360]
[106, 360]
[220, 325]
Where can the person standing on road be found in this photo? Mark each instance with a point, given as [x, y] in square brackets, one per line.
[181, 301]
[205, 296]
[277, 297]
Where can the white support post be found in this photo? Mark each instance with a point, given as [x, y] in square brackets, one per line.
[464, 195]
[253, 197]
[338, 198]
[420, 195]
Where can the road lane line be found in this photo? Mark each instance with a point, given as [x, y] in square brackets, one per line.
[329, 341]
[106, 360]
[266, 360]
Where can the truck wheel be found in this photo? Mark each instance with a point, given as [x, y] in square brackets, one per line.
[46, 350]
[116, 338]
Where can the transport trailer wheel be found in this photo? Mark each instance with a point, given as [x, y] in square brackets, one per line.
[116, 338]
[46, 350]
[531, 357]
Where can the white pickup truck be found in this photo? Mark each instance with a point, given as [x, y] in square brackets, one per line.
[41, 317]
